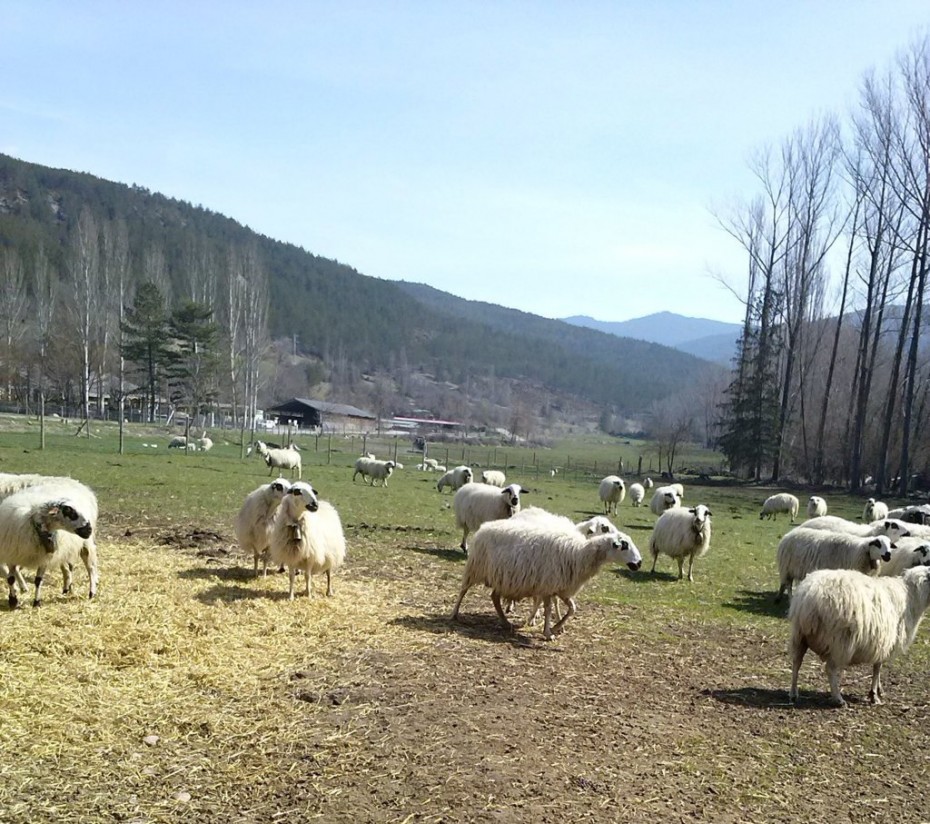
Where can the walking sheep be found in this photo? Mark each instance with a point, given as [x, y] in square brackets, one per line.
[847, 619]
[782, 502]
[374, 470]
[647, 483]
[804, 550]
[307, 535]
[637, 494]
[287, 458]
[611, 491]
[816, 507]
[474, 504]
[42, 526]
[456, 478]
[664, 497]
[256, 520]
[891, 527]
[681, 533]
[494, 477]
[522, 559]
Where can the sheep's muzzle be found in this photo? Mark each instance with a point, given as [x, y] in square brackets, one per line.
[634, 565]
[84, 531]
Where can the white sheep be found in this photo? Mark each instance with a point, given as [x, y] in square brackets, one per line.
[918, 514]
[637, 494]
[178, 442]
[431, 464]
[456, 478]
[204, 443]
[474, 504]
[647, 483]
[816, 507]
[287, 458]
[847, 619]
[874, 510]
[803, 550]
[43, 526]
[678, 489]
[891, 527]
[494, 477]
[681, 533]
[307, 535]
[664, 497]
[373, 469]
[905, 554]
[782, 502]
[256, 519]
[611, 491]
[523, 559]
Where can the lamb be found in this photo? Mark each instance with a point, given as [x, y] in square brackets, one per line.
[373, 469]
[891, 527]
[474, 504]
[307, 535]
[204, 443]
[637, 494]
[647, 483]
[681, 533]
[42, 526]
[256, 519]
[430, 464]
[494, 477]
[456, 478]
[664, 497]
[906, 553]
[523, 559]
[874, 510]
[287, 458]
[804, 550]
[782, 502]
[611, 491]
[816, 507]
[848, 619]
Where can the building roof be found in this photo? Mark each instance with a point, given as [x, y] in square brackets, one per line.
[343, 409]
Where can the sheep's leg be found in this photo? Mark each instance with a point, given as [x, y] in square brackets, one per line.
[458, 603]
[89, 557]
[496, 598]
[11, 580]
[464, 545]
[67, 578]
[20, 579]
[291, 575]
[875, 693]
[40, 576]
[329, 583]
[570, 611]
[783, 588]
[799, 648]
[681, 568]
[547, 622]
[835, 675]
[691, 568]
[655, 557]
[308, 591]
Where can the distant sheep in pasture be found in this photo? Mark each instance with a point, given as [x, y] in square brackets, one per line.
[782, 502]
[874, 510]
[816, 507]
[681, 533]
[611, 491]
[637, 494]
[494, 477]
[475, 504]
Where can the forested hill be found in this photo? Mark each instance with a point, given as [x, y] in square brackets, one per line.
[334, 311]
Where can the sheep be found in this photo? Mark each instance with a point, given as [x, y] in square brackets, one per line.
[681, 533]
[803, 550]
[373, 469]
[287, 458]
[494, 477]
[45, 525]
[204, 443]
[874, 510]
[456, 478]
[256, 519]
[664, 497]
[816, 507]
[611, 491]
[523, 559]
[431, 464]
[891, 527]
[307, 535]
[474, 504]
[637, 494]
[678, 489]
[178, 442]
[647, 483]
[912, 514]
[847, 618]
[782, 502]
[905, 554]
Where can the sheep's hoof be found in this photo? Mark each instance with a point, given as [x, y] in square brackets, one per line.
[13, 600]
[839, 703]
[874, 699]
[37, 603]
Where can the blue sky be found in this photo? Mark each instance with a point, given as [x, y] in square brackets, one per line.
[560, 158]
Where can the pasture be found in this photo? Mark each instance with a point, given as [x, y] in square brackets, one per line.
[189, 691]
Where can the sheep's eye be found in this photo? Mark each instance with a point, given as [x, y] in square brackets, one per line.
[294, 491]
[605, 529]
[624, 545]
[68, 512]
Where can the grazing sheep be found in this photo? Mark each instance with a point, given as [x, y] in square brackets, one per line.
[804, 550]
[681, 533]
[431, 464]
[637, 494]
[874, 510]
[664, 497]
[891, 527]
[43, 526]
[522, 559]
[847, 618]
[307, 535]
[178, 442]
[456, 478]
[816, 507]
[373, 469]
[494, 477]
[647, 483]
[474, 504]
[287, 458]
[782, 502]
[905, 554]
[256, 519]
[612, 491]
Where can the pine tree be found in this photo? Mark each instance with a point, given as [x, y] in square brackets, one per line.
[146, 341]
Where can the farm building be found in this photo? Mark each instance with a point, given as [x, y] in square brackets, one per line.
[306, 413]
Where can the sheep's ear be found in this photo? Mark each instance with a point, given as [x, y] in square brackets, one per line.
[693, 511]
[875, 542]
[605, 528]
[893, 546]
[709, 512]
[524, 491]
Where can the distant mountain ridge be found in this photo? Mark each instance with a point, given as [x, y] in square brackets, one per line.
[712, 340]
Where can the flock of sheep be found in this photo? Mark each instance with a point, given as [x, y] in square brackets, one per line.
[859, 589]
